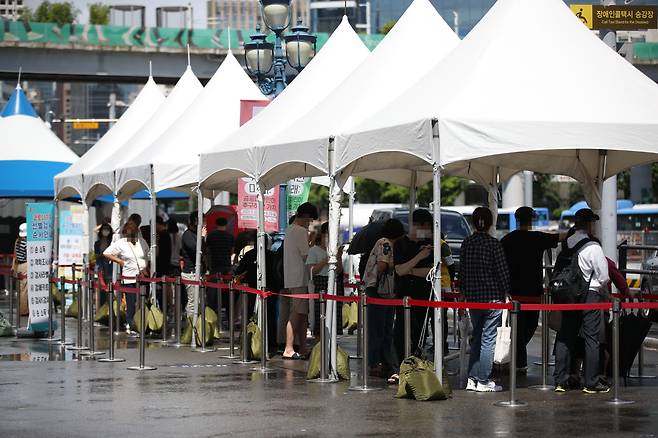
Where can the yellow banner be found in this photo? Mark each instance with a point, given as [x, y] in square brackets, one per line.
[85, 125]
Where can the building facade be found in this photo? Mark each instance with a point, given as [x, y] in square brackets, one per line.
[246, 14]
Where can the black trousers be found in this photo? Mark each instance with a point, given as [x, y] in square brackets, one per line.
[588, 325]
[528, 322]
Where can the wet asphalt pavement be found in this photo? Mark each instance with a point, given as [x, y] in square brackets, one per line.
[45, 391]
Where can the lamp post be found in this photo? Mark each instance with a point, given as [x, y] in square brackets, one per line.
[267, 62]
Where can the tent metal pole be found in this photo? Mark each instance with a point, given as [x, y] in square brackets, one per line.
[153, 232]
[436, 208]
[197, 262]
[350, 268]
[332, 249]
[412, 197]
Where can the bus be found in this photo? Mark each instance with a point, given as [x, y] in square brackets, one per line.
[630, 217]
[506, 222]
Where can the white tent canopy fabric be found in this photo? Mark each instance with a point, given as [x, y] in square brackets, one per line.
[544, 95]
[102, 177]
[27, 138]
[70, 182]
[235, 156]
[214, 114]
[397, 61]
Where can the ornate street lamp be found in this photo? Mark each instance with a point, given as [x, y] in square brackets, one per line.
[300, 46]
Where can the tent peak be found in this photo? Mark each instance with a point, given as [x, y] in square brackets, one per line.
[18, 104]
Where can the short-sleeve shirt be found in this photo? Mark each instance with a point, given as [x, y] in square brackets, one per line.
[381, 252]
[524, 251]
[316, 254]
[295, 250]
[411, 285]
[134, 256]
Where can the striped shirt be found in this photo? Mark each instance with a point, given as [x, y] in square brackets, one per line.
[21, 251]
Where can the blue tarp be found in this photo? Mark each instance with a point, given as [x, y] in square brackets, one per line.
[28, 179]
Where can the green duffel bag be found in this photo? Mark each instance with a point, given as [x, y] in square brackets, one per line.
[253, 341]
[5, 328]
[342, 363]
[346, 315]
[418, 381]
[72, 310]
[154, 317]
[354, 316]
[103, 313]
[186, 336]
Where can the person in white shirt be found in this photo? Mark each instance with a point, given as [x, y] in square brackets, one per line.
[131, 253]
[594, 268]
[296, 278]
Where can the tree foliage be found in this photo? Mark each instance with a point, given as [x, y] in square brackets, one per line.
[57, 12]
[99, 13]
[386, 27]
[26, 14]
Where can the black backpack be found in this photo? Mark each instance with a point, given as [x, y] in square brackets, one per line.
[567, 284]
[278, 268]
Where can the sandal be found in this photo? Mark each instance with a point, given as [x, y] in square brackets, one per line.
[295, 356]
[393, 380]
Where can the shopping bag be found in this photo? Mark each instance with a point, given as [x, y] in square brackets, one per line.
[418, 381]
[503, 348]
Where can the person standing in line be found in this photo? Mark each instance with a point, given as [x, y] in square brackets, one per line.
[188, 254]
[382, 358]
[131, 253]
[103, 265]
[524, 251]
[220, 244]
[296, 278]
[484, 278]
[19, 267]
[594, 268]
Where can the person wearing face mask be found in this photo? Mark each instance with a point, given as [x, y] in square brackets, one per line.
[318, 261]
[413, 261]
[103, 265]
[296, 278]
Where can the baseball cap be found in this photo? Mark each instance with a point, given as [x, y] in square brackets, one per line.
[22, 230]
[585, 215]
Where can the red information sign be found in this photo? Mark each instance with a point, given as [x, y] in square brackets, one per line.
[248, 206]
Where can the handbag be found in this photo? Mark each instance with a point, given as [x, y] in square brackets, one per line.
[503, 342]
[386, 284]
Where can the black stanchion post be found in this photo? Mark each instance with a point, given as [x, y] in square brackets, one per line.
[407, 327]
[513, 402]
[11, 290]
[78, 342]
[92, 300]
[244, 359]
[220, 302]
[62, 329]
[165, 334]
[18, 301]
[616, 312]
[177, 312]
[142, 331]
[204, 336]
[324, 350]
[364, 349]
[51, 336]
[231, 324]
[263, 338]
[110, 318]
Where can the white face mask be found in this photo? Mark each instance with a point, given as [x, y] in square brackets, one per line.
[423, 234]
[105, 233]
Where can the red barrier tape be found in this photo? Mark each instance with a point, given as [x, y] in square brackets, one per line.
[149, 279]
[170, 279]
[342, 299]
[211, 285]
[350, 286]
[251, 290]
[298, 296]
[124, 289]
[460, 305]
[190, 282]
[383, 301]
[639, 305]
[567, 307]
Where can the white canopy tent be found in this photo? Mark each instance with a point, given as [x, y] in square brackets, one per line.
[174, 155]
[516, 94]
[70, 182]
[235, 157]
[398, 60]
[102, 179]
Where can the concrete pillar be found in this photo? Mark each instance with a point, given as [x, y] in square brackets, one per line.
[513, 192]
[528, 178]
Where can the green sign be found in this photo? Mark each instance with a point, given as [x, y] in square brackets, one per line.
[298, 190]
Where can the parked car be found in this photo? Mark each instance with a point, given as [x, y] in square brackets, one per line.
[454, 226]
[649, 283]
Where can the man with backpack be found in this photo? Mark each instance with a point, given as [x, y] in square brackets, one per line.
[580, 276]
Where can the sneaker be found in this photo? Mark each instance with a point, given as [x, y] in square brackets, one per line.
[600, 388]
[128, 331]
[560, 388]
[489, 386]
[471, 385]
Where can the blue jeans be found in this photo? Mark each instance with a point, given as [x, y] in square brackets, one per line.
[480, 362]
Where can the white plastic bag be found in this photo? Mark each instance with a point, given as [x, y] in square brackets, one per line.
[503, 348]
